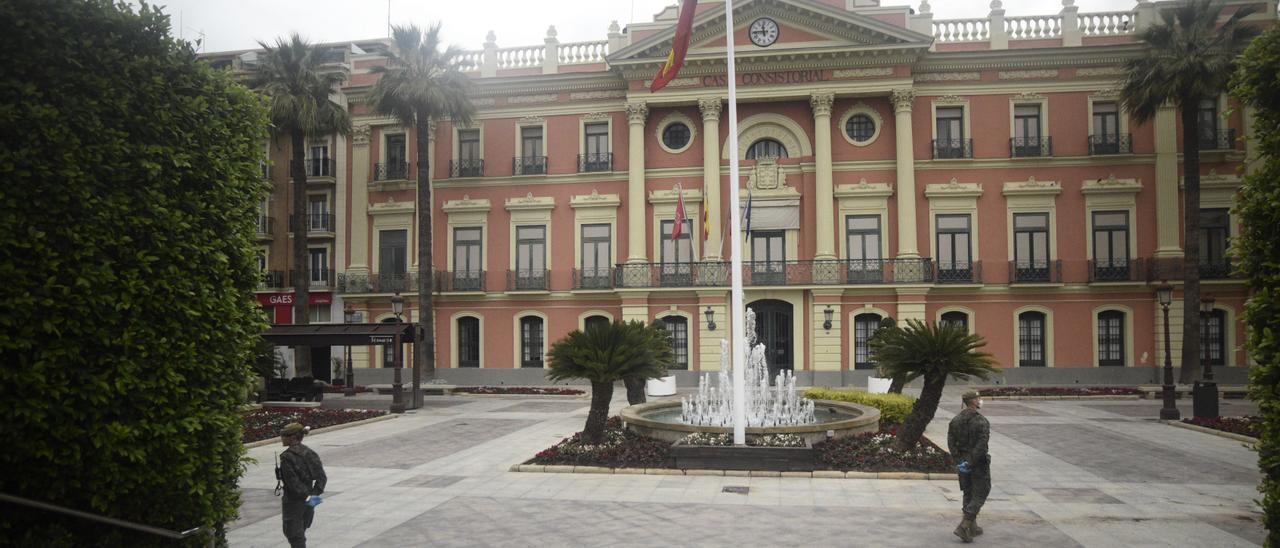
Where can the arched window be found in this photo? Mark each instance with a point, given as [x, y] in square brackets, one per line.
[678, 331]
[1111, 338]
[864, 326]
[531, 342]
[766, 148]
[595, 321]
[1031, 339]
[1213, 338]
[955, 317]
[468, 342]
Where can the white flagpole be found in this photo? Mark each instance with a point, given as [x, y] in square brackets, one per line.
[737, 310]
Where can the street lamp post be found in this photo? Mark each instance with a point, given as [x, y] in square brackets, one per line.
[1169, 412]
[397, 385]
[1205, 403]
[349, 384]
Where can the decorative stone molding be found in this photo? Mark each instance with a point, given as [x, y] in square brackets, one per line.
[902, 99]
[670, 119]
[774, 126]
[467, 205]
[953, 189]
[1213, 181]
[862, 73]
[530, 120]
[391, 207]
[677, 83]
[1032, 187]
[864, 109]
[953, 99]
[525, 99]
[608, 94]
[637, 112]
[1027, 74]
[360, 134]
[672, 196]
[821, 103]
[1100, 71]
[1028, 96]
[1111, 185]
[767, 175]
[530, 202]
[948, 76]
[594, 116]
[710, 108]
[595, 199]
[484, 101]
[863, 189]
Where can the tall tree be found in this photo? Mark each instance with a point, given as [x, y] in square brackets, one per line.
[935, 352]
[301, 105]
[1189, 58]
[1257, 84]
[419, 84]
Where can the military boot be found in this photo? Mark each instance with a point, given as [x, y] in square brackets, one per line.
[965, 530]
[976, 530]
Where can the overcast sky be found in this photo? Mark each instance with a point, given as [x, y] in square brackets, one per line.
[238, 24]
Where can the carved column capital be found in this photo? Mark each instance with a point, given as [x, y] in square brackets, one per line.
[821, 103]
[360, 134]
[902, 99]
[637, 112]
[710, 107]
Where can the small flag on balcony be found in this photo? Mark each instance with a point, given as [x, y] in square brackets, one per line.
[679, 46]
[677, 230]
[746, 217]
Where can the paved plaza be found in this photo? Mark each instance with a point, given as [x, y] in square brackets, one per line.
[1066, 473]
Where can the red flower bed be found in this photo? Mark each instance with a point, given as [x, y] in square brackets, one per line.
[620, 449]
[874, 452]
[1060, 391]
[266, 423]
[1245, 426]
[534, 390]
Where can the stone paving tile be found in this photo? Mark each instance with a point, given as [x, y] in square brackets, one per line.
[1151, 408]
[1065, 494]
[544, 407]
[435, 482]
[422, 445]
[256, 505]
[1008, 409]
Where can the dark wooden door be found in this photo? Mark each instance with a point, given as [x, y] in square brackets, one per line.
[773, 329]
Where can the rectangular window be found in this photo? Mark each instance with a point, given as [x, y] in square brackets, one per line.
[1110, 245]
[864, 326]
[1031, 339]
[862, 243]
[396, 150]
[319, 164]
[1111, 338]
[1207, 116]
[1213, 338]
[1031, 247]
[953, 249]
[531, 341]
[319, 266]
[393, 261]
[677, 256]
[531, 256]
[678, 332]
[1106, 138]
[531, 142]
[468, 342]
[596, 145]
[468, 144]
[1027, 141]
[951, 140]
[467, 262]
[318, 217]
[1215, 233]
[595, 256]
[320, 313]
[768, 257]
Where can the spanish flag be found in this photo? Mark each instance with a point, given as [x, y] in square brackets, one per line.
[679, 46]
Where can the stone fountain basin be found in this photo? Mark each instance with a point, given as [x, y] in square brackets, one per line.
[840, 418]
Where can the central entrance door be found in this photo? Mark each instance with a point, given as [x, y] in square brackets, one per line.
[773, 329]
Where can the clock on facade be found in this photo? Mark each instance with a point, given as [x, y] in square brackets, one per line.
[763, 32]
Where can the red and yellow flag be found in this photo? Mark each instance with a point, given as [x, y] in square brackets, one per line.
[679, 46]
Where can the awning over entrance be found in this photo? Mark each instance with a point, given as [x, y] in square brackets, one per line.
[353, 334]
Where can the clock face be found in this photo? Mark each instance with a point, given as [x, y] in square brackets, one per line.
[763, 32]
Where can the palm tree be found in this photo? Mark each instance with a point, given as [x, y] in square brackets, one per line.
[1189, 58]
[934, 352]
[604, 355]
[299, 91]
[421, 83]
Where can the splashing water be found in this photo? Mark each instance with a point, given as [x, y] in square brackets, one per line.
[779, 405]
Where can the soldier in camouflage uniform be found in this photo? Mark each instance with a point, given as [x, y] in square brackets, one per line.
[302, 477]
[967, 440]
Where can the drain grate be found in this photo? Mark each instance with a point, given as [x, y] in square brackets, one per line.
[736, 489]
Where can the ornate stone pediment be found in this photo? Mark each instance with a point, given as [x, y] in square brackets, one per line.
[1032, 187]
[953, 189]
[691, 195]
[529, 201]
[595, 199]
[466, 204]
[1111, 185]
[863, 189]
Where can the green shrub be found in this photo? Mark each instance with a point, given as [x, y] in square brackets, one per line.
[130, 177]
[893, 407]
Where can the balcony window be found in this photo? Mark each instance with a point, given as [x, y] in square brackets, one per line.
[469, 162]
[1110, 246]
[677, 255]
[1031, 247]
[531, 161]
[1207, 118]
[596, 255]
[318, 163]
[1106, 137]
[1027, 140]
[319, 265]
[950, 142]
[862, 243]
[531, 255]
[393, 261]
[1215, 231]
[596, 144]
[953, 249]
[467, 262]
[768, 257]
[318, 217]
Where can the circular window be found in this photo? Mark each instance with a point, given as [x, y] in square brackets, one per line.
[676, 136]
[766, 148]
[860, 127]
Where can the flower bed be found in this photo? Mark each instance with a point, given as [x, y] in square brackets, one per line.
[266, 423]
[766, 440]
[620, 449]
[1245, 426]
[1060, 391]
[874, 452]
[532, 390]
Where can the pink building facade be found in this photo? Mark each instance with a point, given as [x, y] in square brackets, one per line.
[979, 171]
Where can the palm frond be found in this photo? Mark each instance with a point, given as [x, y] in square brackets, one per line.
[299, 93]
[610, 353]
[421, 81]
[928, 349]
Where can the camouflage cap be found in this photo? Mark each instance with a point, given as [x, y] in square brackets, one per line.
[969, 395]
[293, 429]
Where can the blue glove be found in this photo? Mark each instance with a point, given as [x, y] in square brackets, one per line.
[964, 467]
[314, 500]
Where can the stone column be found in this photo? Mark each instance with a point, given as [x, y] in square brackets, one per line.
[359, 236]
[902, 102]
[710, 107]
[825, 198]
[1167, 215]
[636, 114]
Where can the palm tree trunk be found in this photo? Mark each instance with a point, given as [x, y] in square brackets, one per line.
[922, 412]
[601, 395]
[301, 260]
[1191, 243]
[898, 383]
[635, 390]
[424, 348]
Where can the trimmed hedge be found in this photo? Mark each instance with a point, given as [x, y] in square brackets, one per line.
[130, 180]
[893, 407]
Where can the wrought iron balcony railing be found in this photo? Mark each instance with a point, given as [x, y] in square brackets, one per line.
[601, 161]
[1220, 269]
[1035, 272]
[320, 277]
[315, 222]
[466, 168]
[1171, 269]
[266, 226]
[528, 280]
[957, 272]
[392, 171]
[403, 282]
[463, 280]
[321, 167]
[952, 149]
[529, 165]
[1030, 147]
[1224, 139]
[593, 278]
[272, 279]
[1116, 270]
[775, 273]
[1110, 143]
